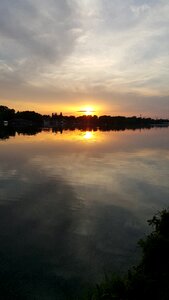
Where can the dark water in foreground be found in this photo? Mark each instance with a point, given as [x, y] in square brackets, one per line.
[73, 206]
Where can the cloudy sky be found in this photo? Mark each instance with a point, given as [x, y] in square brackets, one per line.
[64, 55]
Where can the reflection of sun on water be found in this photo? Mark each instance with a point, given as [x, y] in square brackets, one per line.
[88, 135]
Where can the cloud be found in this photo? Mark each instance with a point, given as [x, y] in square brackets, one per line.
[35, 34]
[139, 9]
[63, 51]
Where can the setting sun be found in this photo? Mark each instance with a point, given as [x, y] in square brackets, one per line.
[88, 111]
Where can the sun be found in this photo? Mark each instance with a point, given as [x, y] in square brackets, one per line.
[87, 111]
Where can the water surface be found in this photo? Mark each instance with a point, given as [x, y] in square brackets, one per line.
[74, 204]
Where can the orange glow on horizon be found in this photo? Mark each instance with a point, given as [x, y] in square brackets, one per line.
[67, 109]
[87, 111]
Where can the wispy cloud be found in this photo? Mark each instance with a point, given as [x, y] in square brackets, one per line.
[113, 52]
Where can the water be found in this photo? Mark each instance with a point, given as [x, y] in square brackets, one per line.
[73, 206]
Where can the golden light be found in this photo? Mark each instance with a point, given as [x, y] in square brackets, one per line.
[87, 111]
[88, 135]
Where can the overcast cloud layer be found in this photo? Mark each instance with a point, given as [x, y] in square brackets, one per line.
[113, 53]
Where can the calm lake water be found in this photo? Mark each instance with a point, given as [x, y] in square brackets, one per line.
[73, 206]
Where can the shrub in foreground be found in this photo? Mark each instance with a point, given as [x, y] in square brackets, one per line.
[148, 280]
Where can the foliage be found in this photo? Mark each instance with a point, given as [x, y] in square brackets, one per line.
[29, 116]
[148, 280]
[6, 113]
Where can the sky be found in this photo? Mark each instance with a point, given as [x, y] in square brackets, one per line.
[66, 55]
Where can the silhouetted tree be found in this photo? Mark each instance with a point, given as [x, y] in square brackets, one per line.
[29, 116]
[6, 113]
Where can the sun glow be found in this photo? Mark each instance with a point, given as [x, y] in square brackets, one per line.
[88, 135]
[87, 111]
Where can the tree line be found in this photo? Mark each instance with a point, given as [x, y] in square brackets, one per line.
[105, 122]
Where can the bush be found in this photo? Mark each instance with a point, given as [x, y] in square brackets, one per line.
[148, 280]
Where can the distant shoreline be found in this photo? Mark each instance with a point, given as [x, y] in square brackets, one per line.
[23, 119]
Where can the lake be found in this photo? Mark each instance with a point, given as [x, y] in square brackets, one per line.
[73, 205]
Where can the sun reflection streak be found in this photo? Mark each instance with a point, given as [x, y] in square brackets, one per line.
[88, 135]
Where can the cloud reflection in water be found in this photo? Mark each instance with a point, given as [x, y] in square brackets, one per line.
[71, 211]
